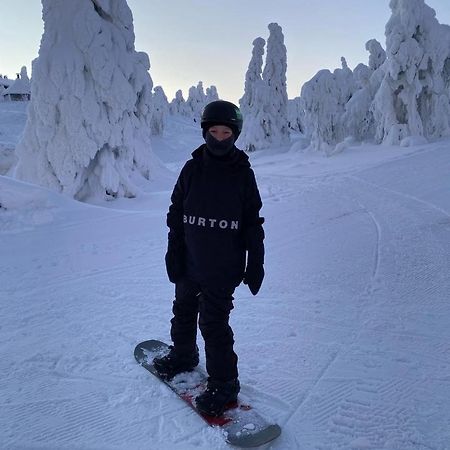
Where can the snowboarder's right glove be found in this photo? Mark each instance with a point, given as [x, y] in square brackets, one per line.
[175, 258]
[253, 277]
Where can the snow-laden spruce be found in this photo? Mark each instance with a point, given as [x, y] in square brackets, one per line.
[414, 97]
[253, 76]
[252, 103]
[274, 76]
[211, 94]
[338, 106]
[197, 100]
[377, 54]
[88, 130]
[324, 98]
[402, 95]
[160, 111]
[178, 104]
[296, 114]
[264, 103]
[358, 120]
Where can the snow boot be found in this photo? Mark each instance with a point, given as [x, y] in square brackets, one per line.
[218, 396]
[175, 362]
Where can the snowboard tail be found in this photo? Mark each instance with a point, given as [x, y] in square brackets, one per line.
[242, 426]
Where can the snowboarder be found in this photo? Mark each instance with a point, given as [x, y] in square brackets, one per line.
[215, 242]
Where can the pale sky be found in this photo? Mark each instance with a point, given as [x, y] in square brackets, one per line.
[192, 40]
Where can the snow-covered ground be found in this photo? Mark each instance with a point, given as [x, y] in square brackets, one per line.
[347, 346]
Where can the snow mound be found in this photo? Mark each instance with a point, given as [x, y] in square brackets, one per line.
[411, 141]
[24, 206]
[300, 144]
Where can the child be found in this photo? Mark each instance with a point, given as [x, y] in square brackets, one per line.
[215, 242]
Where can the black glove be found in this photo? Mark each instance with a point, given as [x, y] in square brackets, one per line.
[175, 265]
[253, 277]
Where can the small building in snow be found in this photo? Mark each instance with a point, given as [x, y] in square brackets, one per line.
[19, 89]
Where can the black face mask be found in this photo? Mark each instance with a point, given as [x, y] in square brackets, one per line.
[219, 148]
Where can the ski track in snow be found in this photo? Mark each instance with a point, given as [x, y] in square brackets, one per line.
[347, 346]
[369, 423]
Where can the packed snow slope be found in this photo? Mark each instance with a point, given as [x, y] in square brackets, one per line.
[346, 347]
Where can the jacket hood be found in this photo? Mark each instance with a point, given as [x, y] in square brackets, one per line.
[237, 158]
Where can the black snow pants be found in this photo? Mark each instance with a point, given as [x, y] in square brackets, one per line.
[211, 307]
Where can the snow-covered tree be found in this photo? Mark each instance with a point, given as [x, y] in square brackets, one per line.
[211, 94]
[178, 104]
[324, 98]
[403, 92]
[253, 76]
[22, 85]
[196, 101]
[414, 98]
[24, 74]
[253, 102]
[377, 55]
[264, 104]
[88, 128]
[339, 105]
[160, 111]
[358, 119]
[254, 135]
[274, 77]
[296, 115]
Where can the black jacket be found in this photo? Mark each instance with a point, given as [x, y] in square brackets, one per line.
[214, 219]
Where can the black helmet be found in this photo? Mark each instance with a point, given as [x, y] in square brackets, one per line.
[221, 112]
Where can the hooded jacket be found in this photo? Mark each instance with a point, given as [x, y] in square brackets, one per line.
[214, 220]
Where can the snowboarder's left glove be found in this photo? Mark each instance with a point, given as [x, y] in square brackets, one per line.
[254, 273]
[253, 277]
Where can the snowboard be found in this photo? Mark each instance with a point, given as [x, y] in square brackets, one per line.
[241, 425]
